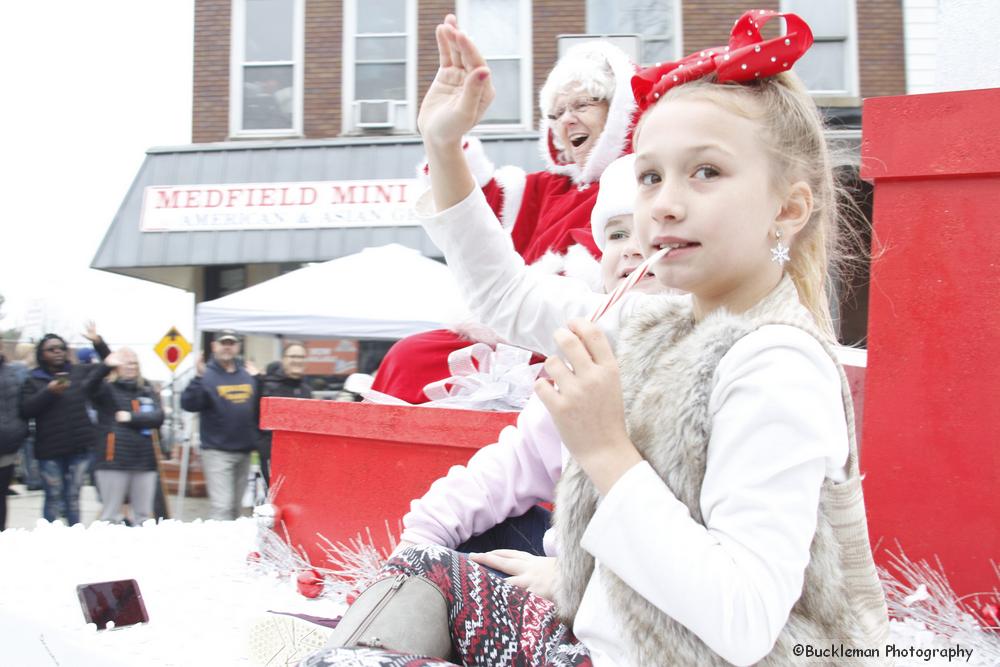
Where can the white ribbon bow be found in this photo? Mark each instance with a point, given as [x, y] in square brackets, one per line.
[481, 379]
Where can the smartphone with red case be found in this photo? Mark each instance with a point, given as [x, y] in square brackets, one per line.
[112, 604]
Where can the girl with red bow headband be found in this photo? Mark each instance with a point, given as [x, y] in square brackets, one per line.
[710, 508]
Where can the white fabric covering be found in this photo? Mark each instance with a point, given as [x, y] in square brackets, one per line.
[386, 292]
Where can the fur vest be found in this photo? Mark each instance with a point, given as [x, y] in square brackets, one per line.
[668, 363]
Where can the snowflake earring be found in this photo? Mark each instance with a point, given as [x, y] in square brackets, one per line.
[779, 253]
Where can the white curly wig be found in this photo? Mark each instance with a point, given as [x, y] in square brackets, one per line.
[584, 68]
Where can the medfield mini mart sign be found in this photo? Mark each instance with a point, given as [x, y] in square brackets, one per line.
[298, 205]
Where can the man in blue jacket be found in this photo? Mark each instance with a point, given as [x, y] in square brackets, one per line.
[224, 392]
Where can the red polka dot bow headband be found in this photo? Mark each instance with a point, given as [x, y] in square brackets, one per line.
[748, 57]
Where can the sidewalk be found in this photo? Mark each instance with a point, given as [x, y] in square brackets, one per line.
[24, 509]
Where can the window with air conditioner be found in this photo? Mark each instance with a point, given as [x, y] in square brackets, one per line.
[502, 31]
[379, 84]
[830, 67]
[656, 22]
[266, 68]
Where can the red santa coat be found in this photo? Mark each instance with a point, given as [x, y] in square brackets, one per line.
[548, 216]
[553, 208]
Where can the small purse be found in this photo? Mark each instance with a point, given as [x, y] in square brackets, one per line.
[408, 614]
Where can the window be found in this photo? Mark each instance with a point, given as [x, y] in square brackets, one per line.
[266, 68]
[829, 68]
[224, 280]
[655, 21]
[379, 84]
[502, 31]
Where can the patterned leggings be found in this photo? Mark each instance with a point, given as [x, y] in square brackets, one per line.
[492, 622]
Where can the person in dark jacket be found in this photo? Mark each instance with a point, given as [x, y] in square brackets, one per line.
[285, 379]
[26, 469]
[54, 396]
[13, 430]
[225, 393]
[129, 415]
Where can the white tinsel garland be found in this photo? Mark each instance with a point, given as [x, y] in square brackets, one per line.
[928, 614]
[349, 567]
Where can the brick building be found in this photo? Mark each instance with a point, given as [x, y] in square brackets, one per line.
[291, 91]
[328, 67]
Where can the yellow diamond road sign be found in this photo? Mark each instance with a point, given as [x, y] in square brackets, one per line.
[172, 348]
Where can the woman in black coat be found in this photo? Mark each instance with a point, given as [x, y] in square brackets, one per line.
[129, 416]
[53, 395]
[286, 380]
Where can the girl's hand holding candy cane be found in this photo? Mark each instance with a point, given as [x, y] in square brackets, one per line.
[585, 400]
[586, 403]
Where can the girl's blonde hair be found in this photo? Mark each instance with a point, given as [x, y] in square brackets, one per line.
[792, 132]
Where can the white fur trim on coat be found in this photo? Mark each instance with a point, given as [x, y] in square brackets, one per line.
[613, 141]
[475, 156]
[511, 180]
[480, 165]
[576, 263]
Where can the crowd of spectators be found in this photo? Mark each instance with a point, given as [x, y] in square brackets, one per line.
[68, 418]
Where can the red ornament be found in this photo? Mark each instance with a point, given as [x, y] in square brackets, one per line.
[253, 558]
[310, 583]
[991, 612]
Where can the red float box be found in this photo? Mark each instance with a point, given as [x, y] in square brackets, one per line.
[931, 434]
[348, 468]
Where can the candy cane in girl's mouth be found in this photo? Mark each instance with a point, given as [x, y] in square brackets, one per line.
[629, 283]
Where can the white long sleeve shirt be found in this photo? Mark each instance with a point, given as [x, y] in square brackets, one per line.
[778, 429]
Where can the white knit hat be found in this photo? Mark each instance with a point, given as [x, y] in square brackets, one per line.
[616, 196]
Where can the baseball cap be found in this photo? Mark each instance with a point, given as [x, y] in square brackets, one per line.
[226, 334]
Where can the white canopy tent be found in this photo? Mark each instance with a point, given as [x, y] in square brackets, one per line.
[387, 292]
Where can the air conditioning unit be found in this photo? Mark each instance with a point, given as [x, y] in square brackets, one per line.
[376, 114]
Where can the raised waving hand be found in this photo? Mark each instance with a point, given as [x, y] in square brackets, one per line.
[455, 103]
[461, 91]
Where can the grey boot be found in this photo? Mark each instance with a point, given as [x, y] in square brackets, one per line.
[405, 614]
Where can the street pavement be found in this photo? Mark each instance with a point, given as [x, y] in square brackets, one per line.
[25, 508]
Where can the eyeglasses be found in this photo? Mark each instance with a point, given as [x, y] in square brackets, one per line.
[295, 356]
[577, 107]
[228, 341]
[54, 348]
